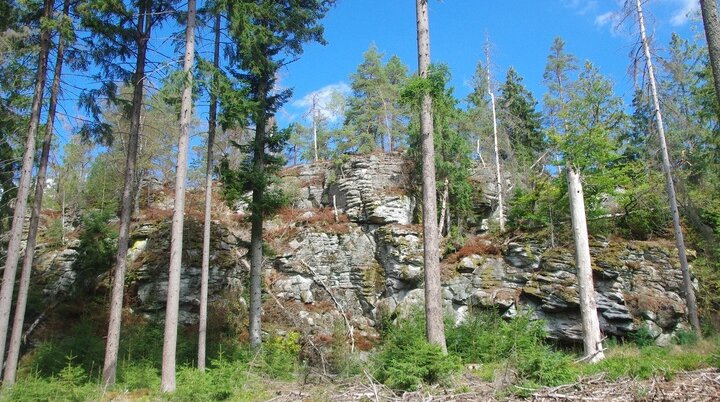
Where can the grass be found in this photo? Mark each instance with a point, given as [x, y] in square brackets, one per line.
[512, 353]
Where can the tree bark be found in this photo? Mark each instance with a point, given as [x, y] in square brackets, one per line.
[205, 270]
[434, 327]
[173, 297]
[592, 339]
[669, 185]
[16, 230]
[709, 10]
[18, 321]
[112, 344]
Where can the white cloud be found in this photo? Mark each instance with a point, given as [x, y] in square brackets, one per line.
[686, 9]
[324, 98]
[608, 18]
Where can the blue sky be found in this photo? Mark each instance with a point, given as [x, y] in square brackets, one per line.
[521, 32]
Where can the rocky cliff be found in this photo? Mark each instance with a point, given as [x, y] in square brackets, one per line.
[347, 254]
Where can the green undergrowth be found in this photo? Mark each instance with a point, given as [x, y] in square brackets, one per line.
[517, 354]
[513, 353]
[406, 360]
[644, 362]
[68, 368]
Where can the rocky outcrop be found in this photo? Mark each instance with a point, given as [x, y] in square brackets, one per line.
[347, 254]
[149, 255]
[374, 190]
[377, 268]
[543, 283]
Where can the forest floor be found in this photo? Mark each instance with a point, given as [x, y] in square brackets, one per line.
[699, 385]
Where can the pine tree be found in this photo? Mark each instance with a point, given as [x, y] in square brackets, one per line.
[20, 305]
[176, 242]
[374, 111]
[120, 31]
[365, 107]
[434, 326]
[16, 231]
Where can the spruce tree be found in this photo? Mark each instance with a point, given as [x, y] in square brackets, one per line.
[267, 35]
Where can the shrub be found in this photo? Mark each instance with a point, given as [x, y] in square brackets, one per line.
[70, 384]
[544, 366]
[142, 343]
[82, 345]
[406, 359]
[139, 375]
[686, 337]
[487, 338]
[642, 337]
[280, 355]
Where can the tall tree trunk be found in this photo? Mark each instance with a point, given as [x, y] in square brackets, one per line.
[592, 339]
[498, 175]
[256, 220]
[669, 185]
[205, 271]
[19, 319]
[711, 22]
[435, 327]
[16, 230]
[112, 344]
[176, 242]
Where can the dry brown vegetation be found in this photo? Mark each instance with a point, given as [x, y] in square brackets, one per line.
[474, 246]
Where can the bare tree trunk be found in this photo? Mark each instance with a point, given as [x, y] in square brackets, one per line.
[669, 185]
[435, 327]
[709, 11]
[176, 242]
[592, 339]
[16, 230]
[112, 344]
[498, 175]
[205, 271]
[18, 321]
[443, 207]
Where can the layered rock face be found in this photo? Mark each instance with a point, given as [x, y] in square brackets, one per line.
[347, 255]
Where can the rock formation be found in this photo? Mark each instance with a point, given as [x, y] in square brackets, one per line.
[347, 254]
